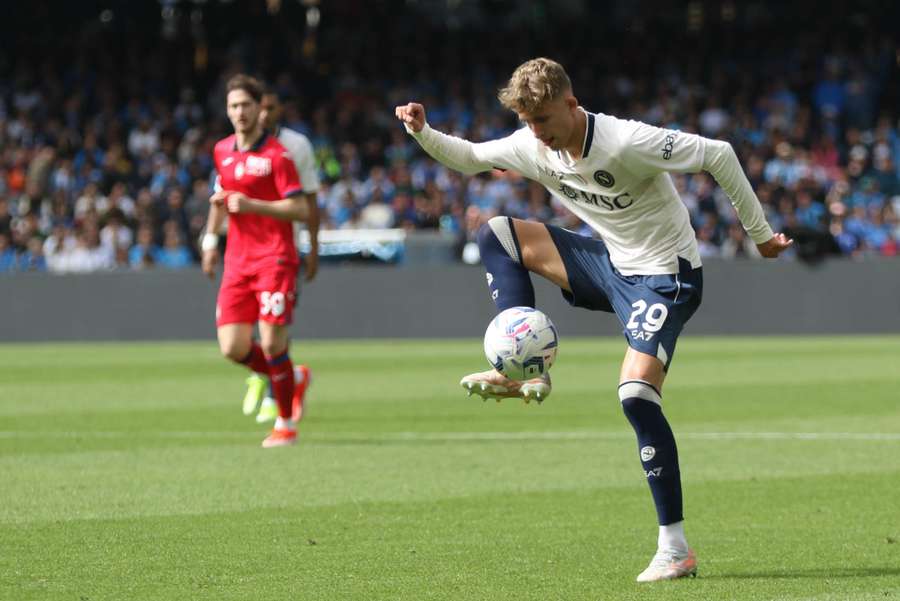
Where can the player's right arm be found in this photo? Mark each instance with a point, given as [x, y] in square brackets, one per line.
[459, 154]
[312, 226]
[209, 242]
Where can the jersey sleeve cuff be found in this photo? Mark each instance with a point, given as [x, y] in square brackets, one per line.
[762, 235]
[293, 192]
[417, 134]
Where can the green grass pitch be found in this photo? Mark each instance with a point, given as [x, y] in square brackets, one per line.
[127, 472]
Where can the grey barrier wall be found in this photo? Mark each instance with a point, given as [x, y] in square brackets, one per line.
[746, 297]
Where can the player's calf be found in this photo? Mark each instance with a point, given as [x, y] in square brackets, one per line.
[656, 446]
[281, 374]
[254, 359]
[658, 453]
[508, 280]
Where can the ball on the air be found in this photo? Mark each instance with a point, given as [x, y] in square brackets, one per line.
[521, 343]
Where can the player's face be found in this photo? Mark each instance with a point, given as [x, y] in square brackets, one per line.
[270, 111]
[243, 111]
[554, 122]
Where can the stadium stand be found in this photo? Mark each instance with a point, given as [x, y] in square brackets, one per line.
[105, 156]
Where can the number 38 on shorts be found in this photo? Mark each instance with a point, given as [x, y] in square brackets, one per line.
[272, 303]
[266, 295]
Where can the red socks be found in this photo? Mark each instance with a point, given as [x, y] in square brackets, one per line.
[281, 375]
[280, 372]
[256, 360]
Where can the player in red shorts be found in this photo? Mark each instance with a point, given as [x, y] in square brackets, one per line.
[261, 193]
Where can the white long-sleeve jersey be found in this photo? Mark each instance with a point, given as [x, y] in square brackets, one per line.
[620, 186]
[304, 158]
[305, 161]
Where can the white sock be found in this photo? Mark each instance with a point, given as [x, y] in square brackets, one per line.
[671, 538]
[284, 424]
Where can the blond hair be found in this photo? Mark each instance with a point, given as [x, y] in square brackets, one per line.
[534, 83]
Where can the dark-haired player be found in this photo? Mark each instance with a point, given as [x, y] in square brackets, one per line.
[260, 191]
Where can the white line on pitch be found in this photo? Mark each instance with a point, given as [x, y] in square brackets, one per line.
[458, 436]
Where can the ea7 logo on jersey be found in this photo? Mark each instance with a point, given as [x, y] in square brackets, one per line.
[258, 166]
[669, 145]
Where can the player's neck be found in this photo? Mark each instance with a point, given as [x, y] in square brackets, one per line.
[246, 140]
[575, 146]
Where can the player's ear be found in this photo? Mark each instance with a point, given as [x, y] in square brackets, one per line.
[571, 102]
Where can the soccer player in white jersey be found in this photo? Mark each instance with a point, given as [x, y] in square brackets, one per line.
[614, 175]
[259, 391]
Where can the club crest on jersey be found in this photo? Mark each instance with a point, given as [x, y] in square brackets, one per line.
[258, 166]
[604, 178]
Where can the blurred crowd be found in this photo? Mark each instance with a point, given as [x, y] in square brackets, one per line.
[105, 157]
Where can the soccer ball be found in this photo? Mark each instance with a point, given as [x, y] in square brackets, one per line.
[521, 343]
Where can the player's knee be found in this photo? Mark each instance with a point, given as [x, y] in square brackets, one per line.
[273, 348]
[485, 235]
[634, 394]
[497, 237]
[235, 350]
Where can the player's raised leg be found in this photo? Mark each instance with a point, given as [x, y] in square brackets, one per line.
[640, 386]
[510, 249]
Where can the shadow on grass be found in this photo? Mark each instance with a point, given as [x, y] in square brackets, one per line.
[842, 572]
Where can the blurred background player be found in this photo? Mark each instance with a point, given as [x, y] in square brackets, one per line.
[614, 175]
[261, 193]
[259, 389]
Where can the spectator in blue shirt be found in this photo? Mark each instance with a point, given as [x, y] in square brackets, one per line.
[7, 254]
[32, 259]
[144, 253]
[173, 254]
[846, 241]
[809, 213]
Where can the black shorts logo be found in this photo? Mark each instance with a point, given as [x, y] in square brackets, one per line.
[604, 178]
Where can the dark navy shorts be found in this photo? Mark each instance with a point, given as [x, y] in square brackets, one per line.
[652, 308]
